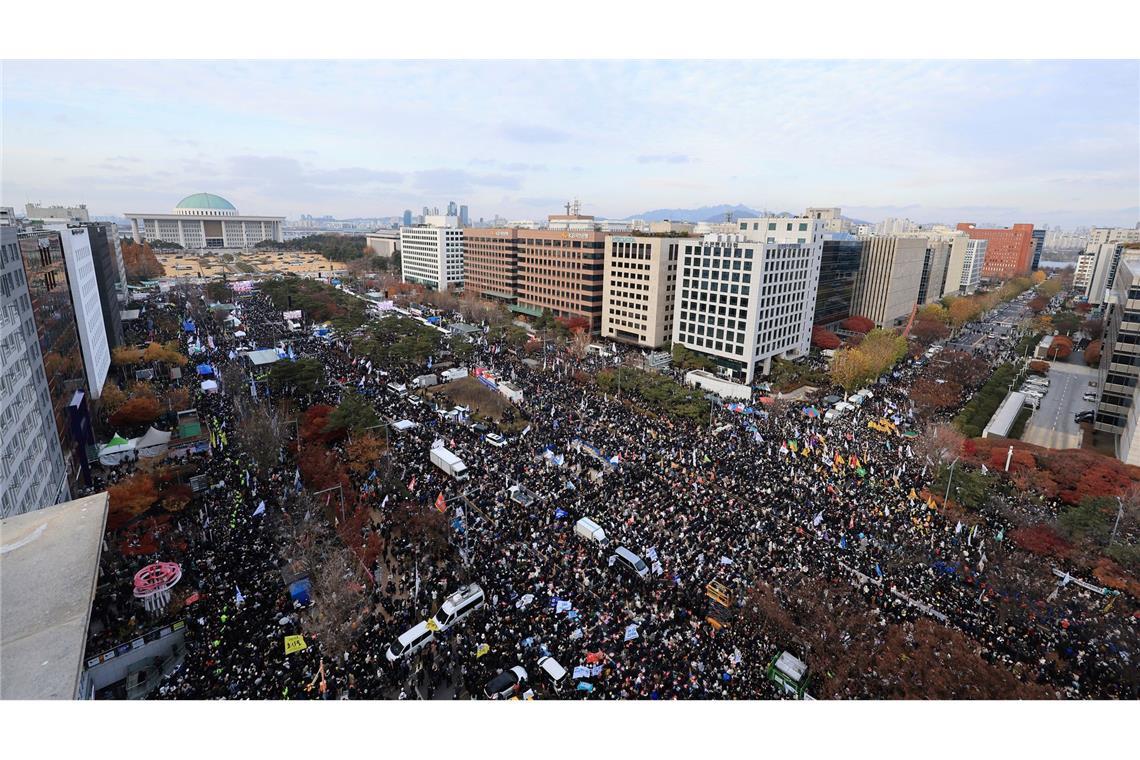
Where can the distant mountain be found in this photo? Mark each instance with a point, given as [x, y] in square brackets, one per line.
[702, 214]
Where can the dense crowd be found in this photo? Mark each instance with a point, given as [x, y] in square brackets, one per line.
[769, 496]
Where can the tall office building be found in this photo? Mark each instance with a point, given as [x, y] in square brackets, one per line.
[1117, 409]
[407, 217]
[32, 469]
[1038, 247]
[1106, 258]
[107, 279]
[971, 271]
[886, 290]
[86, 297]
[464, 219]
[491, 263]
[1102, 235]
[749, 297]
[1082, 277]
[54, 298]
[935, 267]
[1009, 252]
[840, 259]
[640, 288]
[452, 209]
[57, 214]
[431, 254]
[8, 216]
[561, 271]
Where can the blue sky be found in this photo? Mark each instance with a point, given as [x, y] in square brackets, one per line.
[949, 141]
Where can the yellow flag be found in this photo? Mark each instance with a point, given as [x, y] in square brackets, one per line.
[912, 495]
[295, 644]
[431, 625]
[482, 650]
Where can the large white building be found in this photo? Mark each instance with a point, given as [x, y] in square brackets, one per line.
[972, 267]
[32, 470]
[1106, 258]
[204, 220]
[1102, 235]
[1082, 277]
[88, 309]
[749, 296]
[432, 254]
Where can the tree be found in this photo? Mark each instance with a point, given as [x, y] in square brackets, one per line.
[112, 398]
[1060, 348]
[1038, 304]
[961, 311]
[931, 396]
[123, 356]
[301, 377]
[165, 353]
[260, 433]
[1094, 328]
[1067, 322]
[177, 399]
[1092, 353]
[363, 452]
[130, 498]
[928, 331]
[140, 262]
[939, 443]
[1039, 277]
[857, 324]
[849, 369]
[339, 603]
[136, 411]
[354, 413]
[823, 338]
[934, 311]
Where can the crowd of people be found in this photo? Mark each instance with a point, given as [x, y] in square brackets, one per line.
[762, 495]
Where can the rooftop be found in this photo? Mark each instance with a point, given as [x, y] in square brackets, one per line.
[206, 201]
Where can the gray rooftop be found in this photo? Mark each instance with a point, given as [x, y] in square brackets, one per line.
[49, 566]
[263, 356]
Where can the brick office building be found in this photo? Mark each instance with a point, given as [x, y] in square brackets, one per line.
[1009, 250]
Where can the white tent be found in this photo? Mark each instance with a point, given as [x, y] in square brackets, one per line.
[403, 425]
[210, 386]
[153, 444]
[116, 451]
[239, 333]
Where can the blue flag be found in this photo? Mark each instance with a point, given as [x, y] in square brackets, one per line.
[559, 513]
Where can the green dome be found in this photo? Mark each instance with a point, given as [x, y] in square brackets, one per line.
[205, 201]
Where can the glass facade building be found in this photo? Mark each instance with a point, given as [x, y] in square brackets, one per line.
[838, 270]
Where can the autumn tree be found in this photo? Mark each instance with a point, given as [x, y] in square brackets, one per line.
[130, 498]
[1060, 348]
[140, 262]
[136, 411]
[1092, 353]
[823, 338]
[849, 369]
[1038, 304]
[1094, 328]
[112, 398]
[260, 432]
[857, 324]
[939, 443]
[339, 602]
[930, 396]
[124, 356]
[363, 453]
[177, 399]
[928, 330]
[961, 311]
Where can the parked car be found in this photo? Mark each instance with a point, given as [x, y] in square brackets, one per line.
[506, 683]
[1085, 416]
[1089, 396]
[495, 440]
[1032, 393]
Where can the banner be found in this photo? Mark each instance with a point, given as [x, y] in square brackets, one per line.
[581, 671]
[244, 286]
[440, 502]
[295, 644]
[294, 315]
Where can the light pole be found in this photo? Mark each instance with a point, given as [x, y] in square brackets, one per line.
[1119, 512]
[950, 479]
[340, 493]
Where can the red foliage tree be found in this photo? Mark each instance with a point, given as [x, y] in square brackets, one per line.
[1061, 348]
[930, 396]
[1039, 367]
[929, 330]
[1043, 540]
[136, 411]
[1038, 304]
[858, 324]
[823, 338]
[1092, 353]
[576, 322]
[313, 424]
[129, 499]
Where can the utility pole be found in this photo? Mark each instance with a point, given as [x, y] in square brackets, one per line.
[950, 479]
[1119, 512]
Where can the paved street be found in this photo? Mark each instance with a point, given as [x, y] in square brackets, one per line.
[1052, 424]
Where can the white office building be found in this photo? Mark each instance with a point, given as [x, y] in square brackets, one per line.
[1106, 258]
[749, 296]
[1082, 277]
[32, 470]
[88, 311]
[205, 220]
[432, 254]
[972, 267]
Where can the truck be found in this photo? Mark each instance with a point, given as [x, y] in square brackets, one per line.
[724, 388]
[425, 381]
[453, 374]
[449, 463]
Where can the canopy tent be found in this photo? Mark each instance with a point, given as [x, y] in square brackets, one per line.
[403, 425]
[116, 451]
[262, 356]
[239, 333]
[128, 315]
[205, 369]
[188, 326]
[233, 320]
[153, 443]
[210, 386]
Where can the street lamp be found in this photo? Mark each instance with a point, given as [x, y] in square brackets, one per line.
[1119, 512]
[950, 479]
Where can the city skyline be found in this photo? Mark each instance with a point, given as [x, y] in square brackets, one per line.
[939, 141]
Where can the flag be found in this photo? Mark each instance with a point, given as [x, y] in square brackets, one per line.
[818, 519]
[878, 570]
[570, 486]
[596, 670]
[912, 495]
[295, 644]
[440, 502]
[984, 470]
[525, 431]
[239, 600]
[297, 479]
[261, 508]
[631, 632]
[432, 625]
[843, 542]
[412, 484]
[725, 561]
[559, 513]
[581, 671]
[562, 606]
[481, 650]
[253, 388]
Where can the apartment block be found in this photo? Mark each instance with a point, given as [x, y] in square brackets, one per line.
[491, 263]
[749, 297]
[1082, 277]
[1103, 235]
[887, 288]
[561, 271]
[1117, 409]
[1009, 251]
[640, 288]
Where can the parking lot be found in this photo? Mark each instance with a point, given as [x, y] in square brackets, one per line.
[1052, 424]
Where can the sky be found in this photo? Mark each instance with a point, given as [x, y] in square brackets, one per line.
[1054, 142]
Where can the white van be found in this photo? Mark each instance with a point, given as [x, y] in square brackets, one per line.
[411, 641]
[554, 671]
[398, 388]
[459, 605]
[590, 530]
[631, 562]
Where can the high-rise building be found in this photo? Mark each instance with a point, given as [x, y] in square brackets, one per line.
[452, 209]
[32, 470]
[87, 299]
[894, 226]
[407, 217]
[205, 220]
[1106, 258]
[935, 266]
[54, 297]
[749, 297]
[1009, 252]
[57, 214]
[640, 288]
[840, 258]
[971, 272]
[1082, 277]
[1117, 409]
[107, 279]
[1102, 235]
[562, 271]
[886, 290]
[1038, 246]
[7, 216]
[491, 263]
[464, 219]
[431, 254]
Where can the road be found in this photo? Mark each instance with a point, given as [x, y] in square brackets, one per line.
[1052, 424]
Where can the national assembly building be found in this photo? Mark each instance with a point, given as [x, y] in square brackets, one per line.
[205, 220]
